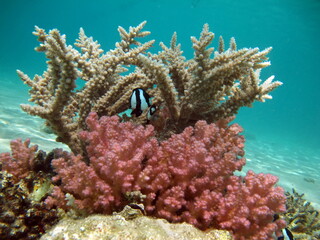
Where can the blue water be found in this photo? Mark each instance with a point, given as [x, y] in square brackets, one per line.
[283, 134]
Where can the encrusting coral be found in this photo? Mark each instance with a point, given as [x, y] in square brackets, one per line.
[22, 214]
[202, 88]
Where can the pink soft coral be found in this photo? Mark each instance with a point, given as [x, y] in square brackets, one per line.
[249, 205]
[116, 152]
[187, 164]
[20, 162]
[188, 177]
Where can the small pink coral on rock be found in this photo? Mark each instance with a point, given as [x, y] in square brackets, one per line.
[20, 161]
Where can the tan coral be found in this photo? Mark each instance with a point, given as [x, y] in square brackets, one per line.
[205, 87]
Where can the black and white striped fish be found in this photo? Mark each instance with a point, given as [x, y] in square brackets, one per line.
[286, 235]
[140, 101]
[151, 111]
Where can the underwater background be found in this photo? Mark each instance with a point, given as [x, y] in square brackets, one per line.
[282, 134]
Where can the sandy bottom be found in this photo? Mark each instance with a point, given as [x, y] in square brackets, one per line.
[297, 167]
[14, 123]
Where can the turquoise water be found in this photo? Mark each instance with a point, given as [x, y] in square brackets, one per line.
[283, 134]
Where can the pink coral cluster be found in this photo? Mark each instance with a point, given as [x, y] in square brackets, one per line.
[116, 153]
[188, 177]
[20, 161]
[249, 205]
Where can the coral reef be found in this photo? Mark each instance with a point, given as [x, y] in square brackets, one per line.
[181, 167]
[203, 88]
[303, 220]
[118, 226]
[22, 214]
[188, 177]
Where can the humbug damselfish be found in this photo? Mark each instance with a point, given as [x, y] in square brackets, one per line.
[140, 101]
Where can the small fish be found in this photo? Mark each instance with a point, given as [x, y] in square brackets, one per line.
[139, 101]
[286, 235]
[151, 111]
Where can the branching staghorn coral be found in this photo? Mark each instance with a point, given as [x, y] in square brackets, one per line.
[302, 219]
[203, 88]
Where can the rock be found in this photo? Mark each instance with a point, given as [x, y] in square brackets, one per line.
[97, 227]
